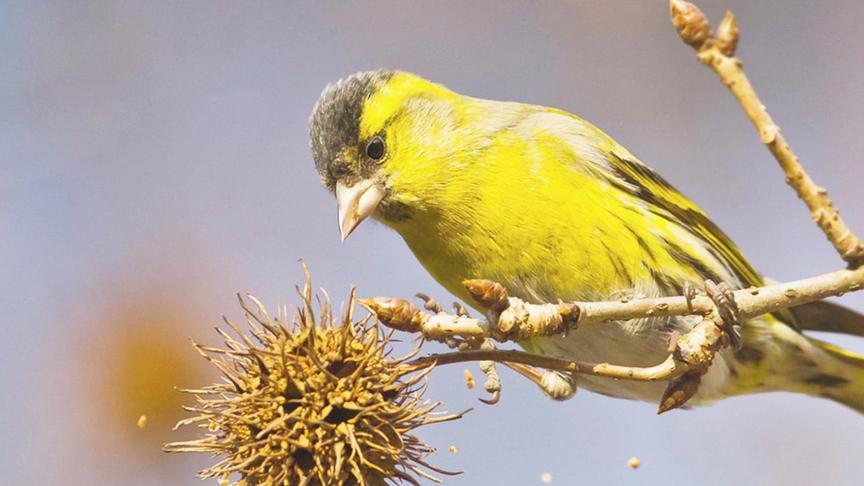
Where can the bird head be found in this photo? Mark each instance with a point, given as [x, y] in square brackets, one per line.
[375, 136]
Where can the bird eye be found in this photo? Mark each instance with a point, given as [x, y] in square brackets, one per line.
[375, 148]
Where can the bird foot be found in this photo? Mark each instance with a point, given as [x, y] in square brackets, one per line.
[724, 299]
[554, 384]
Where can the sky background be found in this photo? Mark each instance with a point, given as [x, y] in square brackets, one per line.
[154, 162]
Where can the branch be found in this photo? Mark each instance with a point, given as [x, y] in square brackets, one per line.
[718, 54]
[512, 319]
[520, 320]
[692, 351]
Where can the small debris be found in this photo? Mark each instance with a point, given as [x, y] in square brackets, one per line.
[546, 477]
[673, 341]
[469, 379]
[634, 463]
[142, 422]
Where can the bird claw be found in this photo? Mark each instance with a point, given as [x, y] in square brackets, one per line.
[496, 397]
[689, 295]
[724, 299]
[493, 382]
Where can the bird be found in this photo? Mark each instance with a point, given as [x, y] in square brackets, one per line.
[549, 206]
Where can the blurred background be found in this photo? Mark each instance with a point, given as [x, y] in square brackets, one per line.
[154, 161]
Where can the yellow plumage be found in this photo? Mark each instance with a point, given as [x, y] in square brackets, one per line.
[551, 207]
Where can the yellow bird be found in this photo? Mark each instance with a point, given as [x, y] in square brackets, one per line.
[551, 207]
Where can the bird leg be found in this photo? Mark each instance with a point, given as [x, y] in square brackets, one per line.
[724, 299]
[492, 385]
[689, 295]
[682, 388]
[492, 295]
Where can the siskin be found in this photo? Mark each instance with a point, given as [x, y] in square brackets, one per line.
[551, 207]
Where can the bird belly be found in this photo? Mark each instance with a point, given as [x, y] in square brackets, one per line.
[640, 343]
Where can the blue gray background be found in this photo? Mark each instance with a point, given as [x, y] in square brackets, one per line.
[154, 161]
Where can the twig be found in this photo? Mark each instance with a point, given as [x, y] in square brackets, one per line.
[718, 54]
[683, 368]
[664, 371]
[691, 352]
[521, 320]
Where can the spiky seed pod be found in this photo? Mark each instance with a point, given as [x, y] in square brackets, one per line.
[311, 402]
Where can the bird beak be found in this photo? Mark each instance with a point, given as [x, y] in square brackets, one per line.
[357, 203]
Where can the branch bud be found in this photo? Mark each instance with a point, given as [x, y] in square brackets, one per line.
[398, 314]
[487, 293]
[727, 34]
[679, 391]
[691, 23]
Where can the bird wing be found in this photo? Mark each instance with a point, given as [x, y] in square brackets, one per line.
[662, 199]
[655, 191]
[627, 173]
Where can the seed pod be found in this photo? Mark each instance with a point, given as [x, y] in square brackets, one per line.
[307, 401]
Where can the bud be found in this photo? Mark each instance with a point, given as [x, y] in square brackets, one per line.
[487, 293]
[691, 23]
[398, 314]
[727, 34]
[679, 391]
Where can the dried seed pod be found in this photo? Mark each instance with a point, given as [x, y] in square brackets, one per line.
[311, 401]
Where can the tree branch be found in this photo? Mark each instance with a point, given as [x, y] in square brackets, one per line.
[520, 320]
[717, 53]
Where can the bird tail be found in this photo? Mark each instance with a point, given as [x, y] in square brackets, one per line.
[839, 376]
[776, 357]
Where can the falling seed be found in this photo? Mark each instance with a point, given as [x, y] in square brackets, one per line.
[634, 463]
[142, 421]
[453, 449]
[546, 477]
[469, 379]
